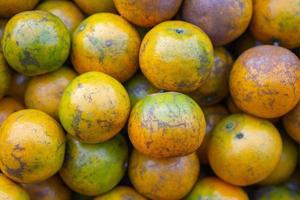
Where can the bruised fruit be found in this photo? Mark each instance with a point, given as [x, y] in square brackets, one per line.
[275, 193]
[176, 56]
[286, 165]
[66, 11]
[291, 123]
[265, 81]
[35, 42]
[215, 87]
[96, 6]
[8, 8]
[147, 13]
[138, 87]
[33, 146]
[8, 106]
[5, 76]
[10, 190]
[244, 150]
[166, 125]
[50, 189]
[93, 169]
[170, 178]
[94, 107]
[214, 188]
[121, 193]
[44, 92]
[18, 85]
[107, 43]
[223, 21]
[277, 21]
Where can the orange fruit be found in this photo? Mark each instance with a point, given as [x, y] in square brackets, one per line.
[44, 92]
[33, 146]
[5, 76]
[291, 123]
[160, 178]
[93, 169]
[8, 106]
[17, 86]
[96, 6]
[121, 193]
[265, 81]
[107, 43]
[35, 42]
[166, 125]
[94, 107]
[244, 150]
[12, 7]
[176, 56]
[67, 11]
[138, 87]
[215, 88]
[10, 190]
[277, 21]
[223, 21]
[286, 165]
[50, 189]
[147, 13]
[214, 188]
[275, 193]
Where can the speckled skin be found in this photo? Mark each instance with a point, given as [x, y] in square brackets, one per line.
[45, 91]
[291, 122]
[5, 76]
[93, 169]
[121, 193]
[223, 21]
[286, 165]
[244, 150]
[67, 11]
[94, 107]
[33, 146]
[96, 6]
[216, 189]
[164, 179]
[107, 43]
[138, 87]
[35, 42]
[9, 105]
[275, 193]
[147, 13]
[215, 87]
[176, 56]
[50, 189]
[265, 81]
[166, 125]
[10, 190]
[275, 20]
[18, 85]
[12, 7]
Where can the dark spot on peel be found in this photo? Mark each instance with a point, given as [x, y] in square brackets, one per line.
[108, 43]
[239, 136]
[76, 122]
[179, 31]
[18, 172]
[229, 125]
[29, 60]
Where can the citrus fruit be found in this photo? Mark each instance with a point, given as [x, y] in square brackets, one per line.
[93, 169]
[12, 7]
[44, 91]
[94, 107]
[223, 21]
[18, 85]
[138, 87]
[275, 193]
[214, 188]
[215, 88]
[107, 43]
[30, 38]
[96, 6]
[147, 13]
[50, 189]
[291, 123]
[33, 146]
[8, 106]
[5, 76]
[170, 178]
[67, 11]
[277, 21]
[10, 190]
[121, 193]
[286, 165]
[166, 125]
[176, 56]
[265, 81]
[244, 150]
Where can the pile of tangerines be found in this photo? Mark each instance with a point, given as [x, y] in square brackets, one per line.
[124, 99]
